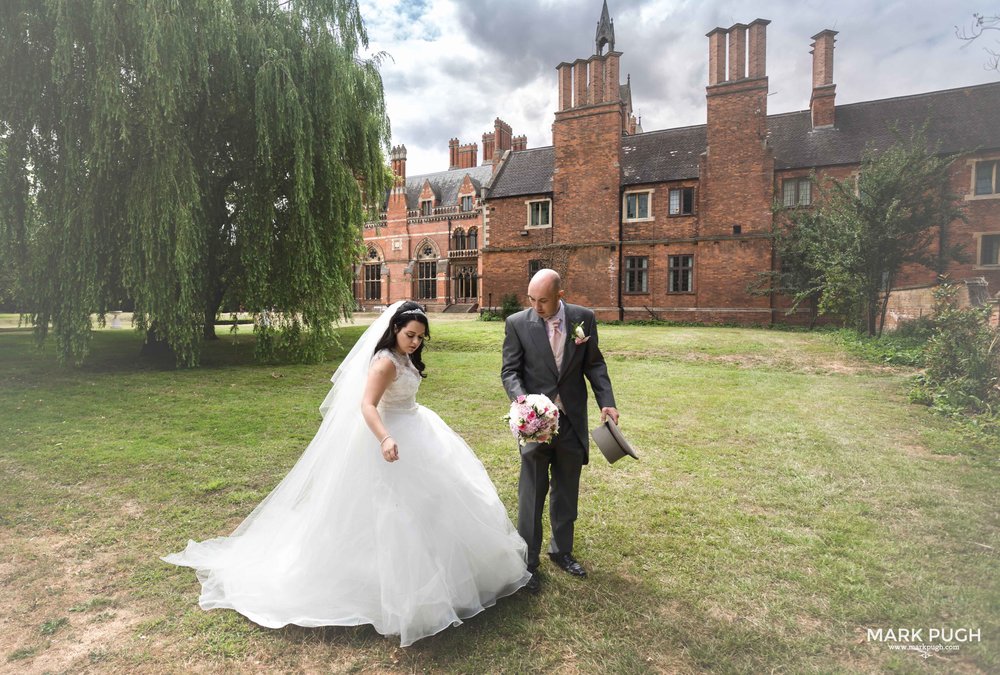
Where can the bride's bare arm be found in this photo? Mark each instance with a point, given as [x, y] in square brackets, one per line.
[380, 376]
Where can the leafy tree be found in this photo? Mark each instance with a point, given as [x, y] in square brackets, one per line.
[180, 153]
[794, 278]
[846, 252]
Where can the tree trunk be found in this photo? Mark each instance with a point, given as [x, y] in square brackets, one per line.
[156, 347]
[215, 265]
[212, 304]
[882, 313]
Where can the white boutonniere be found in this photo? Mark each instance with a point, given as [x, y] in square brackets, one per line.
[579, 337]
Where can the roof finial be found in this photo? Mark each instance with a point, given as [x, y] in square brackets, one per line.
[605, 31]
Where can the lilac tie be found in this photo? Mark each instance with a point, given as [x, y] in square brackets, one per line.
[556, 340]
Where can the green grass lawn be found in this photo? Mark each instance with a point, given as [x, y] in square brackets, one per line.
[787, 499]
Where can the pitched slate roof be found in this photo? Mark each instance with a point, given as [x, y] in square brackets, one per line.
[655, 156]
[959, 119]
[445, 184]
[525, 172]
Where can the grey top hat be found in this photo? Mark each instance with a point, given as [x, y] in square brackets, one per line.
[611, 442]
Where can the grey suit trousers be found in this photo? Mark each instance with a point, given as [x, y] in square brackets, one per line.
[553, 468]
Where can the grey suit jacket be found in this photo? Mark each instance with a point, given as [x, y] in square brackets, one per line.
[530, 368]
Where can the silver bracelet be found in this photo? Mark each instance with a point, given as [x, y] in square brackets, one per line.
[383, 440]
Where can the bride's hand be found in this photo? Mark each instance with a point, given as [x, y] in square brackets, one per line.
[390, 451]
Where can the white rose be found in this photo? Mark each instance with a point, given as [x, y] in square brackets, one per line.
[578, 333]
[538, 401]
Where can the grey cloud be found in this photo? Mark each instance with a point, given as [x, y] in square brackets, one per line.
[883, 50]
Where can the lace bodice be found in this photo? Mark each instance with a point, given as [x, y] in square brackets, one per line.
[401, 394]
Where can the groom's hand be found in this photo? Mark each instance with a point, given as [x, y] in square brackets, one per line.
[609, 412]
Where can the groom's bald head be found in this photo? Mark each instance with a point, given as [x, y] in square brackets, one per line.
[544, 292]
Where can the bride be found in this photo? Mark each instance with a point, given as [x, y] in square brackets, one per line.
[388, 518]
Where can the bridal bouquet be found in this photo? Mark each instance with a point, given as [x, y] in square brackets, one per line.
[533, 419]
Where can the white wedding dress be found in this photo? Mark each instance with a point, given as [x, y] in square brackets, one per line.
[411, 547]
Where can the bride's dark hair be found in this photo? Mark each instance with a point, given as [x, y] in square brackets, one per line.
[403, 316]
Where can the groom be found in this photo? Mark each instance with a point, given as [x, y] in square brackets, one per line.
[542, 355]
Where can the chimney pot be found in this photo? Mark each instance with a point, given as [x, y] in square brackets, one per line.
[716, 56]
[737, 52]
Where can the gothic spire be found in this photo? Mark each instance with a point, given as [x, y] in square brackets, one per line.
[605, 31]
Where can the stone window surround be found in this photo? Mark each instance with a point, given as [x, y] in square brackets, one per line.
[978, 236]
[527, 206]
[971, 195]
[649, 206]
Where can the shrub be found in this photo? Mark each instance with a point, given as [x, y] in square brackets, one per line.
[962, 357]
[918, 329]
[510, 305]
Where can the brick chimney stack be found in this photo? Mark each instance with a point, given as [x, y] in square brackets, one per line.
[587, 160]
[736, 177]
[746, 47]
[716, 56]
[452, 154]
[737, 52]
[824, 91]
[499, 141]
[398, 157]
[466, 156]
[736, 132]
[501, 135]
[592, 81]
[488, 147]
[757, 49]
[397, 196]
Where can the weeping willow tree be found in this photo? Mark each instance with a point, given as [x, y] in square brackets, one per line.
[172, 154]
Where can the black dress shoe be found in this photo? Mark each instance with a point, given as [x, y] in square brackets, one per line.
[568, 563]
[534, 584]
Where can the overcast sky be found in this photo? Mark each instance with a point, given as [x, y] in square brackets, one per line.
[455, 65]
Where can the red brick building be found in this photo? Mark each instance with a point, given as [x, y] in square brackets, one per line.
[671, 224]
[426, 245]
[674, 223]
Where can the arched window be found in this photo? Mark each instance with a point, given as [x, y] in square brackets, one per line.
[466, 283]
[458, 239]
[373, 274]
[426, 272]
[472, 239]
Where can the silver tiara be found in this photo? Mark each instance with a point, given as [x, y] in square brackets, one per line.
[414, 311]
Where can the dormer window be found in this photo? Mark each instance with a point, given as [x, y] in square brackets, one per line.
[426, 207]
[466, 203]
